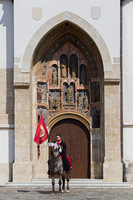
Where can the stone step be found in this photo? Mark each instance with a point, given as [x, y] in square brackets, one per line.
[74, 183]
[84, 181]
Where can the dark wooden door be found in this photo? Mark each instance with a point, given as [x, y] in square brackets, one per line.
[77, 139]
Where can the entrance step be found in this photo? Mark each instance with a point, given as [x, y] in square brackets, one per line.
[74, 183]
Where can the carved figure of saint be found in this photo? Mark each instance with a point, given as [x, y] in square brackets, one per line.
[57, 102]
[69, 95]
[80, 101]
[74, 71]
[85, 101]
[83, 78]
[51, 101]
[41, 93]
[63, 69]
[54, 77]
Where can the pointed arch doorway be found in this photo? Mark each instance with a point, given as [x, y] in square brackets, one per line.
[77, 139]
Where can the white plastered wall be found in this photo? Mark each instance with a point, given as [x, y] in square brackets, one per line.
[6, 146]
[6, 35]
[107, 25]
[127, 16]
[6, 63]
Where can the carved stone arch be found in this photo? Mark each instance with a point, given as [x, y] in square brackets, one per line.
[49, 25]
[70, 115]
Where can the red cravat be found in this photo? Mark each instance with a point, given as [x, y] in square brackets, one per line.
[59, 142]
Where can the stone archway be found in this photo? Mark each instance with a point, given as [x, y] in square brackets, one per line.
[25, 103]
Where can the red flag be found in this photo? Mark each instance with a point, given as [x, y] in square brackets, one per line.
[41, 133]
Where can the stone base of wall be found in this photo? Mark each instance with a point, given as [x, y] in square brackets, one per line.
[128, 172]
[96, 170]
[5, 173]
[22, 172]
[40, 170]
[112, 172]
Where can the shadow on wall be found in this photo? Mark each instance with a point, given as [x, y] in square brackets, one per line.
[127, 2]
[6, 21]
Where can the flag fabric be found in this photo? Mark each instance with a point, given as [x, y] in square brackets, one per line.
[41, 133]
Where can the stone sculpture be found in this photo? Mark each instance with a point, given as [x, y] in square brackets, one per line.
[54, 77]
[80, 101]
[69, 95]
[63, 69]
[57, 102]
[51, 102]
[85, 101]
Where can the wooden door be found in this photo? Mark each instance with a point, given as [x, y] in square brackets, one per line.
[77, 139]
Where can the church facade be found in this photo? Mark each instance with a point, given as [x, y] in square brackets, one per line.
[72, 61]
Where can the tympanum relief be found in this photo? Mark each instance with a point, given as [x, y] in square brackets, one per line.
[67, 82]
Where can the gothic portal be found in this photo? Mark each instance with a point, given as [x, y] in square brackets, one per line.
[67, 74]
[68, 79]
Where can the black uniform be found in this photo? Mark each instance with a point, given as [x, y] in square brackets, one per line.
[66, 165]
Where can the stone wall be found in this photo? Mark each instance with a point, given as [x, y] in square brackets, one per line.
[23, 146]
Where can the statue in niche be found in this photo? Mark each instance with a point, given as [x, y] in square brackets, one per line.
[69, 95]
[83, 78]
[97, 119]
[63, 69]
[41, 93]
[74, 71]
[80, 101]
[85, 101]
[54, 77]
[57, 102]
[44, 71]
[51, 101]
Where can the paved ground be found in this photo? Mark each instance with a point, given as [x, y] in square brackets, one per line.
[84, 194]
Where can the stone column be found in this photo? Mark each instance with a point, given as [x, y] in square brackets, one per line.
[112, 169]
[22, 168]
[127, 85]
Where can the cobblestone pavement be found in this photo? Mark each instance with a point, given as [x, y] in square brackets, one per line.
[7, 193]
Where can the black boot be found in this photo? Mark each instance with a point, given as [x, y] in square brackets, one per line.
[48, 172]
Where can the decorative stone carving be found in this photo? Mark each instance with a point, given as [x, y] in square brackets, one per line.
[57, 102]
[63, 69]
[51, 101]
[80, 101]
[85, 101]
[69, 95]
[44, 113]
[44, 70]
[54, 77]
[74, 71]
[41, 93]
